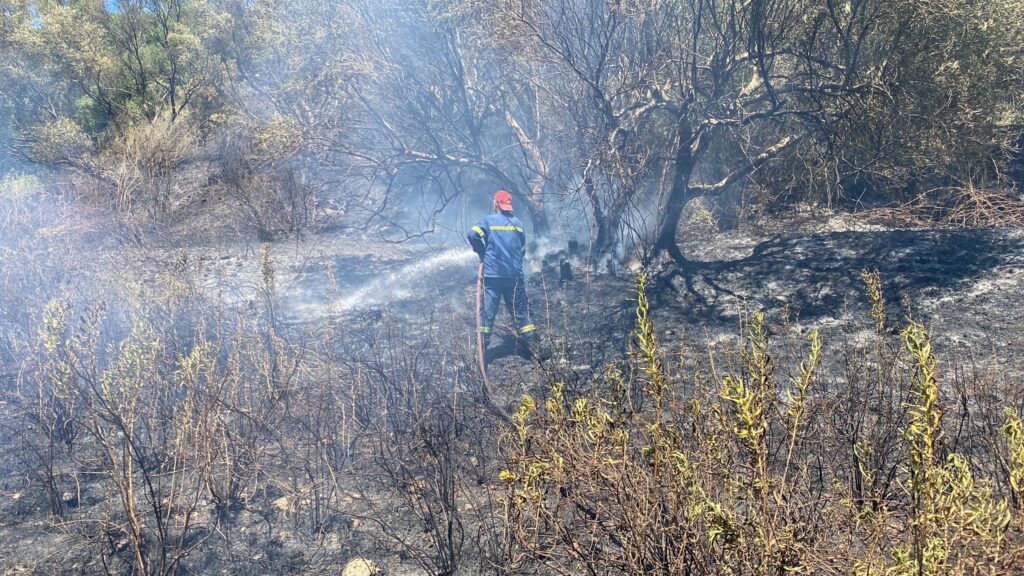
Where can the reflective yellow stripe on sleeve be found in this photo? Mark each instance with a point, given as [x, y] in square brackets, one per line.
[527, 328]
[478, 230]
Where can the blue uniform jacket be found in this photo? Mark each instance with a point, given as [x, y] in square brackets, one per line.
[501, 240]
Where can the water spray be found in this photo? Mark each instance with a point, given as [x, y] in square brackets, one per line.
[401, 283]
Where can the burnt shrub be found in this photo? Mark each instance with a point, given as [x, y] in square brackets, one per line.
[732, 469]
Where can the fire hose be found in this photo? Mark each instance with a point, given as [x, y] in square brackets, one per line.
[486, 389]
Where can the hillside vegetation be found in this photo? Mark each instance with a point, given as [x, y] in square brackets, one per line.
[236, 334]
[282, 115]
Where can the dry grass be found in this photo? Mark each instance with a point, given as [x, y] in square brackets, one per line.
[964, 206]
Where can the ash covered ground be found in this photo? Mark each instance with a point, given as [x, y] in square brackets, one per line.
[362, 295]
[963, 284]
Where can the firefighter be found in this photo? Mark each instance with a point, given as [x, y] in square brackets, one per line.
[500, 242]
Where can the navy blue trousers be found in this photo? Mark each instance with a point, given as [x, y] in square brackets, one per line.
[513, 291]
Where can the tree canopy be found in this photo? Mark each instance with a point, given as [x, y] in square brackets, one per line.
[617, 113]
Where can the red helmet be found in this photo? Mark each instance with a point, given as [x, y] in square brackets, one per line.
[503, 200]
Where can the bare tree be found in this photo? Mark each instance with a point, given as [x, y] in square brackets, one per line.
[466, 119]
[699, 95]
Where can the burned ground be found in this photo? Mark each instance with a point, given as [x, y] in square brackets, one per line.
[963, 282]
[389, 328]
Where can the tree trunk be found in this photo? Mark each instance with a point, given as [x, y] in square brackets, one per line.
[670, 207]
[602, 240]
[535, 199]
[538, 214]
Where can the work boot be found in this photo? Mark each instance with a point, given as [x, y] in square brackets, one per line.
[529, 347]
[541, 352]
[488, 354]
[491, 354]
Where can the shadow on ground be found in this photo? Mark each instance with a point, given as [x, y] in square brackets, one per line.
[819, 274]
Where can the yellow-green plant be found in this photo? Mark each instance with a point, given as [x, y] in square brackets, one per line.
[674, 488]
[957, 525]
[873, 283]
[1013, 431]
[923, 430]
[744, 480]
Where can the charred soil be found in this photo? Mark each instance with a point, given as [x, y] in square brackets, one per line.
[401, 459]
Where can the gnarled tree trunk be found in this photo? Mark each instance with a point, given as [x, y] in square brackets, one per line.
[675, 198]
